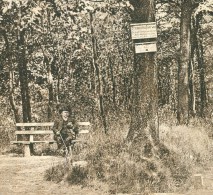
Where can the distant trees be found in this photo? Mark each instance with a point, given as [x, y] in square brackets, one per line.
[76, 52]
[81, 52]
[185, 60]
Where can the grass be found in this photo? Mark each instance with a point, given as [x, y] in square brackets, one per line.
[5, 137]
[56, 173]
[113, 162]
[114, 165]
[192, 144]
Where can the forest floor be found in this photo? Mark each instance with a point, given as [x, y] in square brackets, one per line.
[25, 175]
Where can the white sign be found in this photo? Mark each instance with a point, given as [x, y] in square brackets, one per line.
[145, 47]
[144, 30]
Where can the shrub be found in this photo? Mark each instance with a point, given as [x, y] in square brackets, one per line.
[113, 163]
[192, 147]
[78, 175]
[4, 140]
[56, 173]
[191, 144]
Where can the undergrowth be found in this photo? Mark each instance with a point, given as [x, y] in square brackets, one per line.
[4, 140]
[114, 164]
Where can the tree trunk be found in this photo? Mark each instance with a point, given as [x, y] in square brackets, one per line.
[49, 62]
[113, 80]
[50, 89]
[11, 89]
[183, 85]
[11, 98]
[192, 94]
[197, 55]
[144, 115]
[23, 77]
[201, 67]
[98, 74]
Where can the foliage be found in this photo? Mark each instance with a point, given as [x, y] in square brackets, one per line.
[78, 175]
[56, 173]
[127, 171]
[57, 40]
[58, 44]
[111, 162]
[4, 140]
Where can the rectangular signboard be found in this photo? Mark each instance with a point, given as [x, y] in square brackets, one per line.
[145, 47]
[143, 30]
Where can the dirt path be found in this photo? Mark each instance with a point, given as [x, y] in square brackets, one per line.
[25, 175]
[20, 176]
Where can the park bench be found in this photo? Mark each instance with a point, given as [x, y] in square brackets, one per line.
[40, 133]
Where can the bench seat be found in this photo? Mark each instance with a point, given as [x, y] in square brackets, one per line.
[43, 132]
[50, 141]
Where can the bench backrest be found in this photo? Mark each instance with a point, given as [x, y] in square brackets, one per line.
[47, 124]
[84, 127]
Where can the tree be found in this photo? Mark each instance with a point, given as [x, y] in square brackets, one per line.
[18, 13]
[183, 84]
[144, 114]
[181, 57]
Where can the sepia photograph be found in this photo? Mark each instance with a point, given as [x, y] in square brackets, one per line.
[103, 97]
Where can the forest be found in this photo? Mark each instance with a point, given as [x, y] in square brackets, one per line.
[80, 52]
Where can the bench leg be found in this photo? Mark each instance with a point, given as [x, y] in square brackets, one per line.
[31, 149]
[70, 154]
[27, 150]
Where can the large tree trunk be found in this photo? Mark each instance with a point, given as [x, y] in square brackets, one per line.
[185, 42]
[23, 77]
[144, 116]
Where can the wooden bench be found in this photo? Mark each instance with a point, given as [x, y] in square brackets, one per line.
[30, 130]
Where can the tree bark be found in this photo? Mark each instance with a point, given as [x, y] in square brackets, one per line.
[11, 88]
[185, 42]
[49, 62]
[143, 130]
[50, 87]
[23, 77]
[98, 74]
[201, 67]
[113, 80]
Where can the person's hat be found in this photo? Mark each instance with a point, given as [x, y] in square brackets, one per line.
[64, 108]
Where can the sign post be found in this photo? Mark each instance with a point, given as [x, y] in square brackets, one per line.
[145, 47]
[144, 31]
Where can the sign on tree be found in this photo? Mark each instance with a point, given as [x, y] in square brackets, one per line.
[145, 47]
[143, 30]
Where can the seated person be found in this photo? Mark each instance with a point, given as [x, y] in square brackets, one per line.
[65, 129]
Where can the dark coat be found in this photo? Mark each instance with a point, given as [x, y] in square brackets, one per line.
[65, 126]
